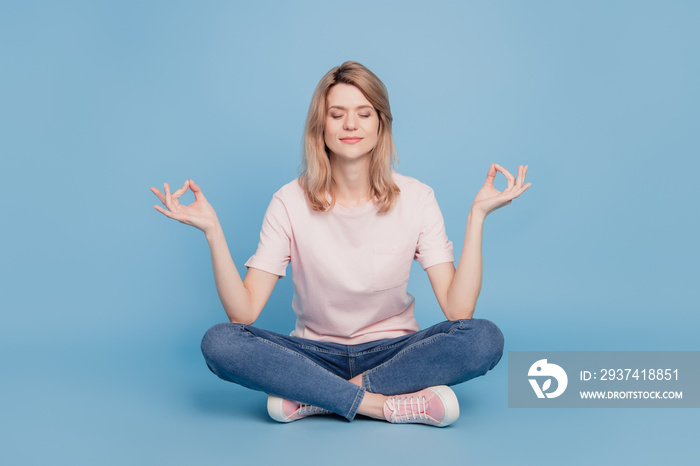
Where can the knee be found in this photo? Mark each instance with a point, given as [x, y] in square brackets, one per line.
[217, 341]
[486, 342]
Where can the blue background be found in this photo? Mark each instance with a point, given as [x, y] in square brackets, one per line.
[104, 300]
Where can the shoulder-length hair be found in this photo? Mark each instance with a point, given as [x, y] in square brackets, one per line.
[315, 178]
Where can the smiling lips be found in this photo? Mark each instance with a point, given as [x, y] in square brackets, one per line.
[351, 140]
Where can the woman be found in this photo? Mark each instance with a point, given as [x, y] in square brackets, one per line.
[350, 227]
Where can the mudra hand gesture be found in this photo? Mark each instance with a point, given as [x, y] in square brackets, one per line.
[200, 214]
[489, 198]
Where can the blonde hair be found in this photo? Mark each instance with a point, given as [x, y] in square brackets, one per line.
[315, 178]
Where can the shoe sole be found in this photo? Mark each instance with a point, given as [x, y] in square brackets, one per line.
[274, 409]
[445, 393]
[449, 401]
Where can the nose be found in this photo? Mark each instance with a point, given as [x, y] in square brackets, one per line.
[350, 123]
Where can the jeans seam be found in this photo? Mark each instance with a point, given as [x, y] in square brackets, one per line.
[379, 348]
[295, 354]
[406, 351]
[316, 349]
[351, 361]
[452, 329]
[287, 350]
[355, 404]
[365, 382]
[358, 397]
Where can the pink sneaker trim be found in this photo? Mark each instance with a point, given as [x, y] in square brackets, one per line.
[435, 406]
[283, 410]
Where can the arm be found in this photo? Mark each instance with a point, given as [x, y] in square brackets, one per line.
[458, 290]
[243, 300]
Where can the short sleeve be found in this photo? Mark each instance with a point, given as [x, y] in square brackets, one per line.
[433, 246]
[274, 249]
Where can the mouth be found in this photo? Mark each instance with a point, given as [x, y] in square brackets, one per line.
[351, 140]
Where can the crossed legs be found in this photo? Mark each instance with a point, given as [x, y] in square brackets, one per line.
[318, 373]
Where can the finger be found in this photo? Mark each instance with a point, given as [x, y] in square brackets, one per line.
[174, 202]
[509, 177]
[182, 190]
[522, 181]
[521, 190]
[168, 200]
[157, 192]
[198, 195]
[506, 173]
[521, 176]
[167, 213]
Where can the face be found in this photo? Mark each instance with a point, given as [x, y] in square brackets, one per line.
[352, 124]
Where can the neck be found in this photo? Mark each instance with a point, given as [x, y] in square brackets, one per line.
[351, 181]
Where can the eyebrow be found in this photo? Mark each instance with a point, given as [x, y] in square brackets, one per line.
[340, 107]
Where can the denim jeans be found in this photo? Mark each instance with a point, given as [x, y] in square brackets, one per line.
[317, 372]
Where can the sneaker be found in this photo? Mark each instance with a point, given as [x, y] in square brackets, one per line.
[282, 410]
[435, 406]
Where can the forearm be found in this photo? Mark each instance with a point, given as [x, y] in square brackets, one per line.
[234, 296]
[466, 284]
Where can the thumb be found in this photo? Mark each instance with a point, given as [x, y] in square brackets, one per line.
[196, 190]
[491, 175]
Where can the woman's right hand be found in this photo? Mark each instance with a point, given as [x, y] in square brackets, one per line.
[200, 214]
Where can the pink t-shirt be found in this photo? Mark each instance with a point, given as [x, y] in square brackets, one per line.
[350, 267]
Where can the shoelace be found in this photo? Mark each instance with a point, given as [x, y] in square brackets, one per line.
[414, 407]
[311, 409]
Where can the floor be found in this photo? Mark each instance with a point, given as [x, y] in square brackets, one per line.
[160, 405]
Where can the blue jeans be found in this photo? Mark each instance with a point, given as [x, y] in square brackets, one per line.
[317, 372]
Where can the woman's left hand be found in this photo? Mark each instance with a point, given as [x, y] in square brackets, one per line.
[489, 198]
